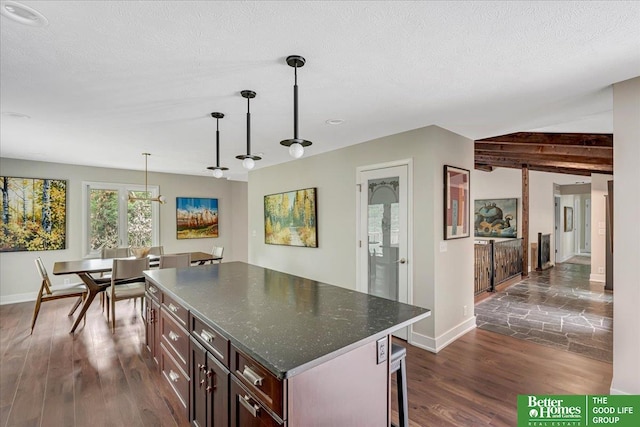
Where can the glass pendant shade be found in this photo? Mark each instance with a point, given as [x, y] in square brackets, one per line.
[296, 150]
[248, 163]
[217, 173]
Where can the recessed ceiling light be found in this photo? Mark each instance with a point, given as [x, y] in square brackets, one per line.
[23, 14]
[334, 121]
[15, 115]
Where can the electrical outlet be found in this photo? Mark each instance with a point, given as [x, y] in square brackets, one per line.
[464, 310]
[382, 350]
[600, 270]
[253, 233]
[66, 281]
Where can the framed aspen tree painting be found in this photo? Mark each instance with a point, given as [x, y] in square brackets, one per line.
[34, 214]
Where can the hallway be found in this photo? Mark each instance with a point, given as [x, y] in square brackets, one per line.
[558, 307]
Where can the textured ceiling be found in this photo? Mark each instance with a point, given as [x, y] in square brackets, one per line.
[108, 80]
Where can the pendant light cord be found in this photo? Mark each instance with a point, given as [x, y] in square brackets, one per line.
[217, 144]
[295, 104]
[248, 128]
[146, 158]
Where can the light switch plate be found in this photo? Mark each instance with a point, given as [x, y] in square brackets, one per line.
[382, 350]
[443, 246]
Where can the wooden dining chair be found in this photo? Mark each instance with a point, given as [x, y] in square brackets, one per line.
[123, 289]
[217, 252]
[175, 261]
[108, 253]
[47, 293]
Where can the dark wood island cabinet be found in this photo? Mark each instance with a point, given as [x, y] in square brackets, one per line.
[243, 345]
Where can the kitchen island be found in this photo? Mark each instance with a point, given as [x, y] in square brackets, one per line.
[283, 350]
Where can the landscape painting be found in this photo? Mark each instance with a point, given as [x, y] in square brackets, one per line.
[496, 218]
[290, 218]
[34, 214]
[196, 218]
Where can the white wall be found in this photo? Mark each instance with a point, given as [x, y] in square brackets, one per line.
[626, 211]
[19, 280]
[507, 183]
[442, 281]
[598, 226]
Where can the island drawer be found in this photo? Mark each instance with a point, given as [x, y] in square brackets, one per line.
[180, 313]
[153, 291]
[246, 410]
[258, 380]
[215, 343]
[175, 338]
[177, 379]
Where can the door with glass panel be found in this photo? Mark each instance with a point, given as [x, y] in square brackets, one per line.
[383, 247]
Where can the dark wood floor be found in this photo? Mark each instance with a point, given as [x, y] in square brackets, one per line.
[98, 379]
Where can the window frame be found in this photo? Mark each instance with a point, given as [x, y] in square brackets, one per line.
[123, 195]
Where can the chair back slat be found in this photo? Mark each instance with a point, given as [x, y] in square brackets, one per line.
[217, 251]
[128, 268]
[175, 261]
[42, 271]
[156, 250]
[115, 253]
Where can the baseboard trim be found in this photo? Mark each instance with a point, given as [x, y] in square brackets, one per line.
[597, 278]
[16, 298]
[434, 345]
[616, 391]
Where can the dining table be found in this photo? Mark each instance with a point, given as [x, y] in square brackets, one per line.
[86, 268]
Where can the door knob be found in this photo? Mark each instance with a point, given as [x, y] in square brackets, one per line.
[402, 261]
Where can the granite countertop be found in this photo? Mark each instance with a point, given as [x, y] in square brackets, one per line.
[287, 323]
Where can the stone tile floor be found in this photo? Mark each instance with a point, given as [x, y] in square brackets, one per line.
[558, 307]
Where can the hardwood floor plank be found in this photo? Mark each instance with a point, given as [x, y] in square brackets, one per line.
[29, 396]
[58, 408]
[15, 347]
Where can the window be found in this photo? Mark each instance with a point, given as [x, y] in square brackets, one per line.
[112, 220]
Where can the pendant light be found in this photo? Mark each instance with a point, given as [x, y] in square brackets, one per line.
[296, 145]
[218, 171]
[248, 161]
[159, 199]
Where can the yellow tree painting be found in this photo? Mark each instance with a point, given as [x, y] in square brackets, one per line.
[34, 214]
[290, 218]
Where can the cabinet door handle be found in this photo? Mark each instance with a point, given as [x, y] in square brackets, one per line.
[253, 409]
[212, 375]
[173, 308]
[250, 375]
[207, 336]
[173, 376]
[173, 336]
[152, 289]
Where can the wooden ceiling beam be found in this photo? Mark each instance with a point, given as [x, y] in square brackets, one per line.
[483, 167]
[489, 157]
[549, 150]
[549, 138]
[559, 164]
[569, 171]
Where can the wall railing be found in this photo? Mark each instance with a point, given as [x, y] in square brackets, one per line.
[495, 263]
